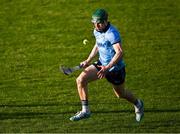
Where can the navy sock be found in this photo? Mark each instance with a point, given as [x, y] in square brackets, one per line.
[85, 107]
[84, 102]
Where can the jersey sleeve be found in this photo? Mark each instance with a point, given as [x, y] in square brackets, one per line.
[114, 37]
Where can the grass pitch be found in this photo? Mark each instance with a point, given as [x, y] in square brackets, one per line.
[36, 36]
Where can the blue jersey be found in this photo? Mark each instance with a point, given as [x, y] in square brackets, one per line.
[105, 41]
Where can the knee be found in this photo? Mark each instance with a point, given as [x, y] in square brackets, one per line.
[119, 96]
[80, 81]
[121, 93]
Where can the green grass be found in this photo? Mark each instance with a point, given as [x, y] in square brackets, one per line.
[36, 36]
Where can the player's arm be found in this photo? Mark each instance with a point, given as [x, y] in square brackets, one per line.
[118, 49]
[93, 53]
[119, 52]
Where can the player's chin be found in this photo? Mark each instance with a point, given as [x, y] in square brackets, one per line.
[99, 30]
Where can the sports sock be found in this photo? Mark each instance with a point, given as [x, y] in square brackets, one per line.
[136, 102]
[85, 107]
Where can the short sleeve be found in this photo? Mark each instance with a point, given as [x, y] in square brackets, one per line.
[114, 37]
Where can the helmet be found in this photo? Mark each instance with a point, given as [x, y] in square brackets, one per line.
[99, 16]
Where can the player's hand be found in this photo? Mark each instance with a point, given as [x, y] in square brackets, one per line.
[101, 74]
[84, 64]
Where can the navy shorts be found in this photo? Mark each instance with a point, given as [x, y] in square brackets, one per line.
[114, 77]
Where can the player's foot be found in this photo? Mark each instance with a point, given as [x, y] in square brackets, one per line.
[139, 110]
[80, 115]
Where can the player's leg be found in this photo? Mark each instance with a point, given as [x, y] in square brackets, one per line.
[120, 91]
[117, 78]
[89, 74]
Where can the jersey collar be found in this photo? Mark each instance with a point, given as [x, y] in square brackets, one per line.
[107, 27]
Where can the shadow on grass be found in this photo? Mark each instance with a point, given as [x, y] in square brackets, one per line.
[26, 115]
[49, 104]
[146, 111]
[38, 105]
[58, 105]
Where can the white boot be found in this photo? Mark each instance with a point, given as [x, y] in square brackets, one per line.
[139, 110]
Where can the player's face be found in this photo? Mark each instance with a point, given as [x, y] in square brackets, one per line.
[99, 26]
